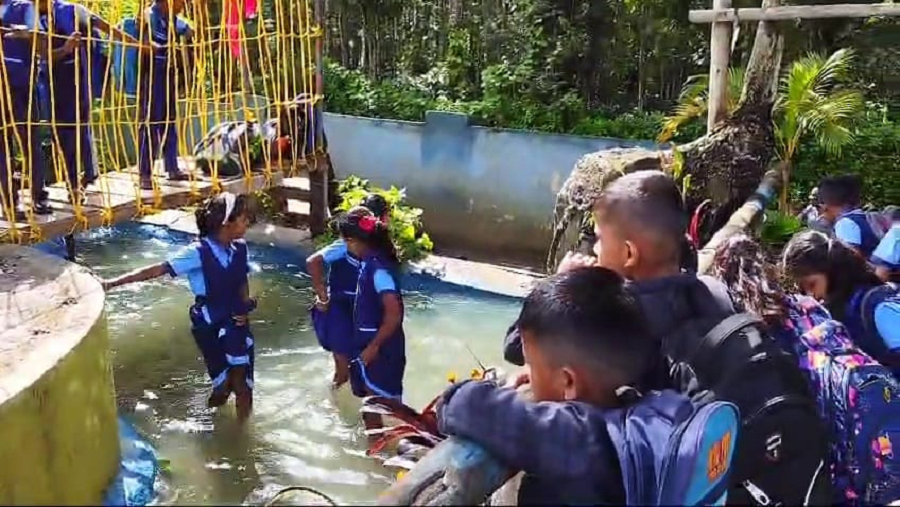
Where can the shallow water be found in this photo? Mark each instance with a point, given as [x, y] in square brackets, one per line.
[301, 433]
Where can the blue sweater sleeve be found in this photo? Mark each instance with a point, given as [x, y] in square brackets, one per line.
[562, 441]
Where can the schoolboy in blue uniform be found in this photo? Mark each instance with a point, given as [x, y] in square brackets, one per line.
[839, 198]
[584, 338]
[21, 114]
[68, 73]
[216, 266]
[157, 93]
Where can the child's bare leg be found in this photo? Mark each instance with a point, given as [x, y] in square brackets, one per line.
[237, 377]
[372, 422]
[341, 371]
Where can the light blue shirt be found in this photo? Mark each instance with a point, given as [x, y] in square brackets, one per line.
[887, 254]
[384, 282]
[30, 15]
[887, 322]
[847, 230]
[334, 252]
[187, 263]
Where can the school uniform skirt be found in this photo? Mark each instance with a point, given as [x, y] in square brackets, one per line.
[223, 347]
[334, 326]
[383, 376]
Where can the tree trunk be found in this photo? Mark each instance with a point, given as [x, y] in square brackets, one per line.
[727, 164]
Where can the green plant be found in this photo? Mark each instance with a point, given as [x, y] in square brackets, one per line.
[411, 241]
[778, 228]
[810, 105]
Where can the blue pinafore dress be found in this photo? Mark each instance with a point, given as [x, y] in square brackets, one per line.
[158, 97]
[20, 75]
[71, 98]
[223, 343]
[334, 327]
[384, 375]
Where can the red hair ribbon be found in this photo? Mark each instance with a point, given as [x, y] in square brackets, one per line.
[368, 223]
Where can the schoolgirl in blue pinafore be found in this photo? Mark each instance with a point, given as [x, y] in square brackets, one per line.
[334, 326]
[383, 376]
[218, 276]
[71, 92]
[21, 75]
[158, 96]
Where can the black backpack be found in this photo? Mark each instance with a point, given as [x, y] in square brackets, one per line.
[782, 446]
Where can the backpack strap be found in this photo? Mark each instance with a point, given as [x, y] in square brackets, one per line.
[718, 334]
[868, 304]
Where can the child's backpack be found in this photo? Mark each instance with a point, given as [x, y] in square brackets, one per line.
[859, 399]
[673, 452]
[783, 442]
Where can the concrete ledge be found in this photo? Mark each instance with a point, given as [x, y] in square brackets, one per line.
[60, 442]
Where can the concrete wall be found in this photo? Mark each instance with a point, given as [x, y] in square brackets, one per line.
[486, 191]
[60, 442]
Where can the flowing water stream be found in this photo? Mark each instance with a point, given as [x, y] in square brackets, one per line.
[301, 432]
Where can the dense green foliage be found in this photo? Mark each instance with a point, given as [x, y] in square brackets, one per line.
[598, 68]
[411, 241]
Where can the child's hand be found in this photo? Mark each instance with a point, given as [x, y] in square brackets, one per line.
[240, 320]
[524, 377]
[73, 42]
[369, 354]
[573, 261]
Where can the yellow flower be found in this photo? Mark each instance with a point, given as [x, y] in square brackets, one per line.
[451, 377]
[400, 474]
[477, 374]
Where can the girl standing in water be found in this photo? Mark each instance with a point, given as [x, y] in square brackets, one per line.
[378, 357]
[332, 314]
[216, 267]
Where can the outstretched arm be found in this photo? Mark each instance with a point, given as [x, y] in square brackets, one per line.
[139, 275]
[552, 440]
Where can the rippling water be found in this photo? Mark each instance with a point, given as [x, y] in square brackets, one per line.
[301, 433]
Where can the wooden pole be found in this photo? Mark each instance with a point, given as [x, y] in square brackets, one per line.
[720, 54]
[318, 212]
[791, 12]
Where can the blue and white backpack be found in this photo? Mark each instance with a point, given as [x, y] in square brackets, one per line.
[674, 452]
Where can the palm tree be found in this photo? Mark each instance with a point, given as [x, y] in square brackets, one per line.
[810, 102]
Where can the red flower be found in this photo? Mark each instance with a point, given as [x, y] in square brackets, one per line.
[368, 223]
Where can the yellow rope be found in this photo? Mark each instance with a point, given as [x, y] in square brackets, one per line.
[277, 61]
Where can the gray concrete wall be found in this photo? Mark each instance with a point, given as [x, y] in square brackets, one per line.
[485, 191]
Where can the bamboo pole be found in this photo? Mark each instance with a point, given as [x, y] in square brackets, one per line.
[791, 12]
[720, 54]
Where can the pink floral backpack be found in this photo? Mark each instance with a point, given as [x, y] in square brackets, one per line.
[858, 398]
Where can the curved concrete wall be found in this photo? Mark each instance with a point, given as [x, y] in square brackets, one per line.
[59, 443]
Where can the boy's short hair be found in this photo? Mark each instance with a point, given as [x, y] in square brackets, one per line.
[646, 201]
[588, 317]
[840, 190]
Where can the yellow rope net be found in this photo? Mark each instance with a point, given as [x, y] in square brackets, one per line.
[83, 85]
